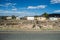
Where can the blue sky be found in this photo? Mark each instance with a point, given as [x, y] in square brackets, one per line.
[28, 7]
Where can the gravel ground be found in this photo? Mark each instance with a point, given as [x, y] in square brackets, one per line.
[25, 25]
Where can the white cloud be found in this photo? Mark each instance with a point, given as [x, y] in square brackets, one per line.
[55, 1]
[8, 4]
[6, 11]
[57, 11]
[18, 13]
[14, 9]
[36, 7]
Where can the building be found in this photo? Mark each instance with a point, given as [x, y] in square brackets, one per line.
[53, 18]
[41, 18]
[30, 18]
[8, 17]
[35, 18]
[17, 18]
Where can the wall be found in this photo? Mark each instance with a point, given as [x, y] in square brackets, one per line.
[8, 17]
[41, 18]
[30, 18]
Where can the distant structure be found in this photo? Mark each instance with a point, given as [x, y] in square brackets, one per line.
[8, 17]
[17, 18]
[54, 17]
[40, 18]
[30, 18]
[43, 17]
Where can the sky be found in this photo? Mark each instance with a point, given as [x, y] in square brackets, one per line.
[28, 7]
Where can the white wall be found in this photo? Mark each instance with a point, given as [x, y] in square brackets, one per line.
[17, 18]
[30, 18]
[41, 18]
[8, 17]
[53, 18]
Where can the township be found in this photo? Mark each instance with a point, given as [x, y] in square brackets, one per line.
[30, 23]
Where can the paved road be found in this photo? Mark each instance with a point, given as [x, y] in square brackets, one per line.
[30, 36]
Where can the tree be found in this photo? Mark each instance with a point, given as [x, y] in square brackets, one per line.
[13, 17]
[3, 17]
[45, 15]
[36, 16]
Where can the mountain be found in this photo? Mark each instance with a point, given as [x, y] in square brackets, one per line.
[54, 15]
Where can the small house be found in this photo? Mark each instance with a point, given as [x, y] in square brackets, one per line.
[30, 18]
[53, 18]
[17, 18]
[8, 17]
[41, 18]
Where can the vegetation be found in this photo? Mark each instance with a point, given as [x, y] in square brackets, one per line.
[46, 15]
[13, 17]
[36, 16]
[3, 17]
